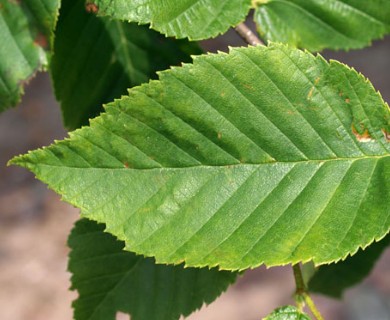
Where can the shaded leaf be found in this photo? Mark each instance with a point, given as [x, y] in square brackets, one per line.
[333, 279]
[287, 313]
[318, 24]
[109, 279]
[194, 19]
[97, 59]
[25, 35]
[264, 155]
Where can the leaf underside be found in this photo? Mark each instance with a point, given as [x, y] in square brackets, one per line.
[97, 59]
[287, 313]
[266, 155]
[317, 24]
[109, 279]
[194, 19]
[25, 35]
[333, 279]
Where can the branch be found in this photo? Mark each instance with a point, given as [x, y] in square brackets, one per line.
[248, 36]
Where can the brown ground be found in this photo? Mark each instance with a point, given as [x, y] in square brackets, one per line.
[34, 225]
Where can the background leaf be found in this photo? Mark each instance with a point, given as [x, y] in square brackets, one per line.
[264, 155]
[318, 24]
[97, 59]
[333, 279]
[25, 35]
[287, 313]
[109, 279]
[194, 19]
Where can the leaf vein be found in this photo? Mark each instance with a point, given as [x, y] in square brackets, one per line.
[316, 218]
[161, 135]
[224, 116]
[249, 251]
[346, 130]
[256, 107]
[290, 103]
[194, 128]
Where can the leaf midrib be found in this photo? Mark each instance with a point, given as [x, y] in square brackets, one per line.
[227, 166]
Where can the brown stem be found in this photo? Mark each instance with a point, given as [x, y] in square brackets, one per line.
[248, 36]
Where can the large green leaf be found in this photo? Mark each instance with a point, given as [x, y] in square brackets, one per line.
[195, 19]
[25, 35]
[264, 155]
[109, 279]
[287, 313]
[333, 279]
[319, 24]
[97, 59]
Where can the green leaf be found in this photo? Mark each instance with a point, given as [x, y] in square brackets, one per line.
[333, 279]
[264, 155]
[109, 279]
[25, 35]
[194, 19]
[97, 59]
[287, 313]
[318, 24]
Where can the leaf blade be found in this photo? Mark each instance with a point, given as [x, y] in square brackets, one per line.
[227, 175]
[26, 36]
[97, 59]
[334, 279]
[194, 19]
[317, 25]
[287, 313]
[109, 279]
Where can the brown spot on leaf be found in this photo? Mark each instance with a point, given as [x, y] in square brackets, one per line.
[310, 93]
[347, 100]
[40, 40]
[341, 94]
[362, 137]
[126, 165]
[386, 134]
[91, 7]
[219, 135]
[316, 81]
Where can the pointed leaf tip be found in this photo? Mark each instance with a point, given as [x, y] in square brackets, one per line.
[238, 160]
